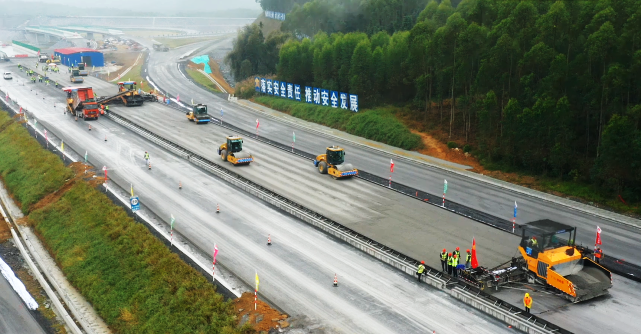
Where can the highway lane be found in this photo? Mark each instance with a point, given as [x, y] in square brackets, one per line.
[14, 315]
[619, 240]
[296, 272]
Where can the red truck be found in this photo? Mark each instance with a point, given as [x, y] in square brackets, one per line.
[81, 102]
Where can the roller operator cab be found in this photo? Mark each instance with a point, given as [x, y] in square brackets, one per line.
[232, 151]
[333, 163]
[198, 114]
[552, 258]
[75, 77]
[82, 70]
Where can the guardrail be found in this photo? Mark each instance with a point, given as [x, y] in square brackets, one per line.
[460, 290]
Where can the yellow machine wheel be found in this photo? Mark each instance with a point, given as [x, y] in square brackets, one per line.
[223, 155]
[322, 167]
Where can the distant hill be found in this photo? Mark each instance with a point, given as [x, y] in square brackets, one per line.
[269, 25]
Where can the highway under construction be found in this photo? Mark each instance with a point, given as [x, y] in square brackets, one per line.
[409, 226]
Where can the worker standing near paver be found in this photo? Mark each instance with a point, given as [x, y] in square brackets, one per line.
[454, 265]
[449, 263]
[420, 270]
[468, 260]
[443, 259]
[147, 158]
[598, 255]
[457, 252]
[527, 302]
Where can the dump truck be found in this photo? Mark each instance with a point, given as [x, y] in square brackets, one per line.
[75, 77]
[43, 57]
[232, 151]
[198, 114]
[81, 102]
[333, 163]
[550, 258]
[81, 70]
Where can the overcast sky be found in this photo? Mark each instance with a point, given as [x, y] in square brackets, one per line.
[156, 5]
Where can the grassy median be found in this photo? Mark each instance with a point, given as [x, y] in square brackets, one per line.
[131, 278]
[377, 124]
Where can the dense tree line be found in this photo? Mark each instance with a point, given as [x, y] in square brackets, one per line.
[252, 53]
[549, 86]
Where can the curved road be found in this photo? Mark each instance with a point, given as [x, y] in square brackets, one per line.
[619, 240]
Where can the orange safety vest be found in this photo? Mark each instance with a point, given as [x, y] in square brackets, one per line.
[598, 254]
[527, 301]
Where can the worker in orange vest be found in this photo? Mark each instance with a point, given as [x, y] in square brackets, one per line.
[598, 255]
[527, 301]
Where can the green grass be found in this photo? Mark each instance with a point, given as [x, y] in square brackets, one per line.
[28, 171]
[202, 79]
[177, 42]
[376, 124]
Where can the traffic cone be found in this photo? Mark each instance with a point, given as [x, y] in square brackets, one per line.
[89, 127]
[335, 280]
[105, 137]
[217, 208]
[149, 165]
[269, 240]
[180, 185]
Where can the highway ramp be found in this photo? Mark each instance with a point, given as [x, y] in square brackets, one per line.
[15, 317]
[620, 241]
[296, 272]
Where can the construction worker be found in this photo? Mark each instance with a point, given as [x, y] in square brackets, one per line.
[598, 255]
[56, 84]
[420, 270]
[454, 265]
[107, 109]
[457, 252]
[468, 260]
[443, 259]
[147, 157]
[527, 302]
[449, 263]
[534, 242]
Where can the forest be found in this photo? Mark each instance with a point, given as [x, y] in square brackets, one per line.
[548, 87]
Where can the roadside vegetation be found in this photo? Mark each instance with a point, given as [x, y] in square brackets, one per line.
[131, 278]
[177, 42]
[202, 80]
[548, 89]
[378, 124]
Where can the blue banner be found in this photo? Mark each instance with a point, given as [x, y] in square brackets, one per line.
[135, 203]
[297, 92]
[317, 99]
[324, 97]
[308, 94]
[275, 15]
[262, 86]
[276, 88]
[257, 84]
[283, 89]
[353, 102]
[333, 99]
[343, 100]
[269, 87]
[290, 91]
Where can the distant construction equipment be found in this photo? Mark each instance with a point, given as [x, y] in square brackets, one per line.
[232, 151]
[81, 102]
[550, 260]
[333, 163]
[75, 76]
[128, 95]
[82, 70]
[198, 114]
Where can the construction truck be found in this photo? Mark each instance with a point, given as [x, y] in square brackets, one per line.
[128, 95]
[75, 77]
[550, 258]
[81, 102]
[198, 114]
[43, 57]
[232, 151]
[333, 163]
[81, 69]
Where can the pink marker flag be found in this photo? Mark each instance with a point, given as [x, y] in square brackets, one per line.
[178, 98]
[213, 265]
[215, 252]
[257, 123]
[391, 166]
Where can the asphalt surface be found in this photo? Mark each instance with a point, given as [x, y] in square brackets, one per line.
[297, 271]
[620, 241]
[15, 317]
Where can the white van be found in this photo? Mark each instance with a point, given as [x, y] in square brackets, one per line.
[7, 75]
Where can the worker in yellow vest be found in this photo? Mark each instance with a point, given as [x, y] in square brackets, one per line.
[420, 270]
[527, 302]
[443, 259]
[449, 263]
[454, 265]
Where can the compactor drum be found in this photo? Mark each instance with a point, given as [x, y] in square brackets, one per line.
[333, 163]
[232, 151]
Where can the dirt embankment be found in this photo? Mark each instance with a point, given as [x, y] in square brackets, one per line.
[263, 318]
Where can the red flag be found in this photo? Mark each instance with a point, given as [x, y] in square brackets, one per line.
[178, 98]
[257, 123]
[598, 236]
[475, 262]
[215, 252]
[20, 112]
[391, 166]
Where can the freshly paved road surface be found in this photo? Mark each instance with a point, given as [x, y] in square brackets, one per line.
[619, 240]
[15, 318]
[296, 272]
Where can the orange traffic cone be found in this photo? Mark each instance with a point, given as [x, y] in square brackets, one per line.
[105, 137]
[89, 127]
[149, 165]
[269, 240]
[335, 280]
[217, 208]
[180, 185]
